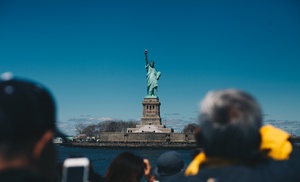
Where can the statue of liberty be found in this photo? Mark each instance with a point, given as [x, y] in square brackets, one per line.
[152, 78]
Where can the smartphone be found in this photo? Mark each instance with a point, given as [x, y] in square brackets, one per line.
[76, 170]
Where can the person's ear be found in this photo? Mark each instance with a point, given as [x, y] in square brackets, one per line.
[41, 143]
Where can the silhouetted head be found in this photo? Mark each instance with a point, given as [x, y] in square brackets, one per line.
[229, 125]
[126, 167]
[168, 164]
[27, 125]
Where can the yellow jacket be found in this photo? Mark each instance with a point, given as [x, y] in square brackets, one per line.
[274, 139]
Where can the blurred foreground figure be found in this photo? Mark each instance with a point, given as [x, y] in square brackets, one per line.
[169, 165]
[27, 124]
[236, 147]
[128, 167]
[92, 175]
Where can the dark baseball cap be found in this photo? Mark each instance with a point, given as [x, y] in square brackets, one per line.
[27, 109]
[168, 164]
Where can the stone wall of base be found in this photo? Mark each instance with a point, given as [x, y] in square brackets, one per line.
[146, 137]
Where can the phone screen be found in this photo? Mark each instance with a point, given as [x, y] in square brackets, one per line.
[75, 174]
[75, 170]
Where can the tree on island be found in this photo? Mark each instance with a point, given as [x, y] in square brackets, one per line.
[190, 128]
[93, 130]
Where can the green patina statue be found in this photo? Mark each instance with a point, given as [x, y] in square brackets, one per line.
[152, 78]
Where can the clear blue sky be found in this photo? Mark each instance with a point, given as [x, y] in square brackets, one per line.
[90, 54]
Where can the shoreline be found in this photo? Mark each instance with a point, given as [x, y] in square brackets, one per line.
[148, 145]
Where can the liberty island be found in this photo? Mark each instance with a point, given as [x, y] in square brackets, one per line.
[150, 133]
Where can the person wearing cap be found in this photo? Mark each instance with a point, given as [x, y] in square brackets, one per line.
[235, 145]
[168, 165]
[27, 126]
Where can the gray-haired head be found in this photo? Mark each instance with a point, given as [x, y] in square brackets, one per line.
[229, 121]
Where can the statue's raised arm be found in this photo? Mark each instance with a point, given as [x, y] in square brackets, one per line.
[152, 77]
[146, 55]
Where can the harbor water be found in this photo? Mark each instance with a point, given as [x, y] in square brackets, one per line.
[101, 158]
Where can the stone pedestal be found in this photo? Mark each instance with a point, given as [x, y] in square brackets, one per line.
[151, 112]
[151, 120]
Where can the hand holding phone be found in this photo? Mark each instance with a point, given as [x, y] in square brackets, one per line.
[76, 170]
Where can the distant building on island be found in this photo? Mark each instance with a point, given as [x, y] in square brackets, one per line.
[149, 131]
